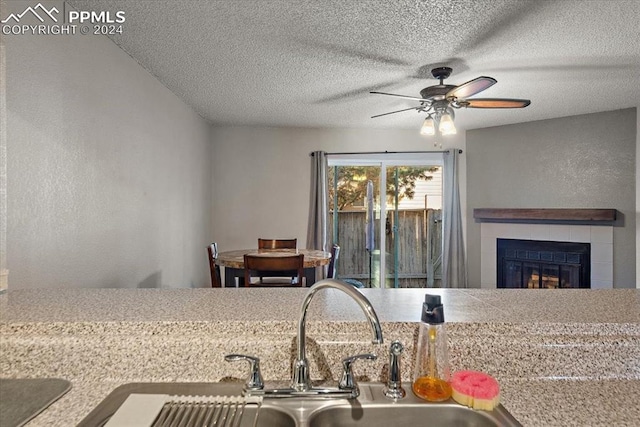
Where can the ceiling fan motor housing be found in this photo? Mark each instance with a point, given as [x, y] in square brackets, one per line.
[437, 92]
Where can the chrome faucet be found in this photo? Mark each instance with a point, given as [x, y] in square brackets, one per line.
[301, 380]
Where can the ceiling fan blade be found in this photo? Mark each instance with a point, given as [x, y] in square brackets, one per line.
[494, 103]
[359, 92]
[471, 87]
[398, 111]
[401, 96]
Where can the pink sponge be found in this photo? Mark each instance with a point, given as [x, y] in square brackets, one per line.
[476, 390]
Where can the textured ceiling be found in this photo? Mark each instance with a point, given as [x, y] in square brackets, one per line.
[312, 63]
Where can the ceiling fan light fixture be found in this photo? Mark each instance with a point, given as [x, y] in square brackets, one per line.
[428, 127]
[438, 101]
[446, 126]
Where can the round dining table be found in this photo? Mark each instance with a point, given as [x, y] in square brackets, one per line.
[233, 262]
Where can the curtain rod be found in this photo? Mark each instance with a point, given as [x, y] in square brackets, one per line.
[387, 152]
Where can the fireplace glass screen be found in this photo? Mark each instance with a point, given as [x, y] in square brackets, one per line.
[535, 264]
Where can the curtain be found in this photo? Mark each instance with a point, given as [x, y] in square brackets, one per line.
[454, 265]
[317, 229]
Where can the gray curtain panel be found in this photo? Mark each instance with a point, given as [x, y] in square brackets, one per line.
[317, 229]
[454, 264]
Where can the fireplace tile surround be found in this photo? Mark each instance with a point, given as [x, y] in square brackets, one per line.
[600, 237]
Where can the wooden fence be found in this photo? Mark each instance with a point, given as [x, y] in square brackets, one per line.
[419, 248]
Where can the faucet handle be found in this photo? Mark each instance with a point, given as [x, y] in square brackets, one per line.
[254, 382]
[348, 382]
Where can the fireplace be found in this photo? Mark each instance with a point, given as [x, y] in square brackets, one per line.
[537, 264]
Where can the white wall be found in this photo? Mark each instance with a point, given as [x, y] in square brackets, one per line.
[262, 175]
[109, 176]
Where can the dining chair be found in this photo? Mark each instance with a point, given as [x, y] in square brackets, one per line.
[332, 272]
[216, 281]
[277, 243]
[269, 270]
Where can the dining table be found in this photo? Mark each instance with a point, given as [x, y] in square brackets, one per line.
[233, 262]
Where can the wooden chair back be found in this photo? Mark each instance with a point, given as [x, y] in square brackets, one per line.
[277, 243]
[216, 281]
[260, 266]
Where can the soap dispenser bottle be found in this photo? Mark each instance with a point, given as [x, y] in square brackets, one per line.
[431, 373]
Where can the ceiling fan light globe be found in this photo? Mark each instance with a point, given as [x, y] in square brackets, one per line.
[428, 127]
[446, 126]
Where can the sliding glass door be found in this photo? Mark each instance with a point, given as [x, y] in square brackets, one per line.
[385, 212]
[354, 204]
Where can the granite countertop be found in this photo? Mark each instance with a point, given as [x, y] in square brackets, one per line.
[392, 305]
[563, 357]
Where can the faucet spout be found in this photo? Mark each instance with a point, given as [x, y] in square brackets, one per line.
[301, 379]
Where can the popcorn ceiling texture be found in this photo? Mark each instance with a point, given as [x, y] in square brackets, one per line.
[563, 341]
[312, 63]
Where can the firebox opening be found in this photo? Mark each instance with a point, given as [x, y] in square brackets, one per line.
[536, 264]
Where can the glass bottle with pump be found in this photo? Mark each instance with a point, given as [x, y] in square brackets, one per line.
[431, 374]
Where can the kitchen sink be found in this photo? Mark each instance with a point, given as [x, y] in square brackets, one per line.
[446, 414]
[373, 409]
[370, 409]
[252, 416]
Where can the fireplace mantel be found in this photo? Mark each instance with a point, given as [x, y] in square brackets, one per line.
[565, 216]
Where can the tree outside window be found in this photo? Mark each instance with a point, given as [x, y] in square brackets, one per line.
[352, 184]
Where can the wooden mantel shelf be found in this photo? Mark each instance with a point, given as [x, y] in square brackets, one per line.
[582, 216]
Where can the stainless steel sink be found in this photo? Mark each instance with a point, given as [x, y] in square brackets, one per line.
[373, 409]
[447, 414]
[370, 409]
[266, 415]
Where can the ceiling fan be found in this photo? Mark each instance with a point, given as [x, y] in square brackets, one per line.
[438, 101]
